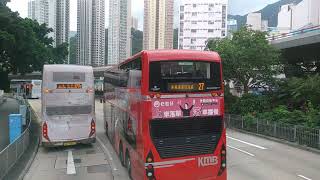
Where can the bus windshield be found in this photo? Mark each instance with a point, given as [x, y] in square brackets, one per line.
[184, 76]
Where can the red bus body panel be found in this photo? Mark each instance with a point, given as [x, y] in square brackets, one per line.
[142, 109]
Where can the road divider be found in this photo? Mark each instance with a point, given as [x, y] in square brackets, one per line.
[245, 152]
[247, 143]
[71, 169]
[303, 177]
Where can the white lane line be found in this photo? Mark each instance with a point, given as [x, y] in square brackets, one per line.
[250, 144]
[71, 169]
[245, 152]
[108, 154]
[299, 175]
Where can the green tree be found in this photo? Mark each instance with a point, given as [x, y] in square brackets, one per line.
[248, 58]
[73, 50]
[297, 92]
[25, 46]
[137, 40]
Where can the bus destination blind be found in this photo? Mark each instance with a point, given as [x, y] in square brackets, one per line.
[186, 87]
[69, 86]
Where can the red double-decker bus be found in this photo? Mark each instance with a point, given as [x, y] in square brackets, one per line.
[164, 115]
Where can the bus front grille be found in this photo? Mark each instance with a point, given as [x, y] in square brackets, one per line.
[186, 137]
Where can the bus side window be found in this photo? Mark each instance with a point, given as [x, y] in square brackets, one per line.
[134, 80]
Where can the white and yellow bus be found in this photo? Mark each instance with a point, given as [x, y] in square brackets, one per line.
[68, 110]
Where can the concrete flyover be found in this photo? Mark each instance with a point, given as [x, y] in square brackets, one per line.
[299, 49]
[297, 38]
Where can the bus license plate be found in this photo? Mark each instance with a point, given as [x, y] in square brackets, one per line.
[69, 143]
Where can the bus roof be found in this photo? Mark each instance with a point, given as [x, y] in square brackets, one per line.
[66, 67]
[170, 54]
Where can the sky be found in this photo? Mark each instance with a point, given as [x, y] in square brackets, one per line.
[236, 7]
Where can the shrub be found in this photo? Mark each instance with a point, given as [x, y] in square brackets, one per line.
[250, 104]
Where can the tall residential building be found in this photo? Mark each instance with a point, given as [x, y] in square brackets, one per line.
[158, 24]
[201, 20]
[254, 21]
[134, 23]
[91, 33]
[54, 13]
[296, 16]
[32, 9]
[62, 21]
[119, 31]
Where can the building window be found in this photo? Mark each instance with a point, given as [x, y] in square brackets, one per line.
[192, 47]
[210, 30]
[193, 31]
[223, 33]
[194, 5]
[181, 8]
[211, 5]
[223, 24]
[210, 22]
[194, 14]
[193, 40]
[181, 16]
[193, 22]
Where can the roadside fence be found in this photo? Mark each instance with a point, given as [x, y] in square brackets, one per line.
[297, 134]
[12, 153]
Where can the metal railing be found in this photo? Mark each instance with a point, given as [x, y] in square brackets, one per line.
[13, 152]
[297, 134]
[293, 33]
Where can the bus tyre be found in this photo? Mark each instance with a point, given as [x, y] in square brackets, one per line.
[128, 163]
[121, 154]
[107, 129]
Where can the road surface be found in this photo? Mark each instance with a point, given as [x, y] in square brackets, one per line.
[249, 158]
[81, 162]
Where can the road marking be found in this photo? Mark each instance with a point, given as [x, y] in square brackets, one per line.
[71, 169]
[244, 142]
[108, 154]
[299, 175]
[245, 152]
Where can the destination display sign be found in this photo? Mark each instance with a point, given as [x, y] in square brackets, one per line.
[186, 87]
[69, 86]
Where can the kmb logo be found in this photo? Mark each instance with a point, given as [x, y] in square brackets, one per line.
[207, 161]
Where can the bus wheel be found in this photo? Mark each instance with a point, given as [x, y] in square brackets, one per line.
[121, 154]
[128, 163]
[107, 129]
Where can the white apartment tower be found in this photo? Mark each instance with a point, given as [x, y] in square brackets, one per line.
[158, 24]
[254, 21]
[298, 16]
[201, 20]
[54, 13]
[62, 21]
[119, 31]
[134, 23]
[32, 9]
[91, 32]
